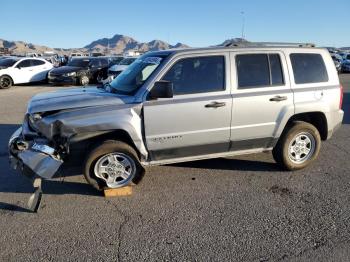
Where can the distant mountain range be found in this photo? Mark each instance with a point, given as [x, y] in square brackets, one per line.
[121, 43]
[118, 44]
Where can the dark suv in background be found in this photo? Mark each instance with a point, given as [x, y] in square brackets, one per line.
[82, 71]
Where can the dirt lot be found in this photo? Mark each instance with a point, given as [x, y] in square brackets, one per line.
[240, 209]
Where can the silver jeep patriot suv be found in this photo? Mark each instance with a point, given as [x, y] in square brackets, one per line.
[184, 105]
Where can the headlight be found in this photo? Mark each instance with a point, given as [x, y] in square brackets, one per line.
[70, 74]
[32, 119]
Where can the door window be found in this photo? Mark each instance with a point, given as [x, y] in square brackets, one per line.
[197, 75]
[104, 62]
[37, 62]
[95, 63]
[25, 63]
[259, 70]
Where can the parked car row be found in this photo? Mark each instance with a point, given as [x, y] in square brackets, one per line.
[78, 70]
[346, 64]
[15, 70]
[341, 60]
[82, 71]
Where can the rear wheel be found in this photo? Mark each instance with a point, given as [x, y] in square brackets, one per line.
[113, 164]
[5, 82]
[298, 147]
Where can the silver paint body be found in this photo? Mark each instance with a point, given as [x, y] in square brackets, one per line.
[181, 128]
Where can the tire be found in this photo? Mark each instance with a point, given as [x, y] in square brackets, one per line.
[99, 78]
[5, 82]
[84, 80]
[298, 146]
[99, 158]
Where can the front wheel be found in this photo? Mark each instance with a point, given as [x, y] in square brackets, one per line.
[298, 147]
[113, 164]
[99, 78]
[5, 82]
[84, 80]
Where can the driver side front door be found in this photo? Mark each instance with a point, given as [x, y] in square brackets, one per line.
[23, 72]
[196, 121]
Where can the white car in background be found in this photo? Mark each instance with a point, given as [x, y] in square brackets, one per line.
[115, 70]
[22, 70]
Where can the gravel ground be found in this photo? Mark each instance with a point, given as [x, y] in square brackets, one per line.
[239, 209]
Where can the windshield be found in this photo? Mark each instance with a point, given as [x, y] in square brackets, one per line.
[79, 62]
[127, 61]
[135, 75]
[7, 62]
[115, 60]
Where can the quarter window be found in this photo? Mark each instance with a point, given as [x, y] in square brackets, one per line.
[259, 70]
[308, 68]
[197, 75]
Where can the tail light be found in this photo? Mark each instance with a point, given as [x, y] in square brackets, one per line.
[341, 97]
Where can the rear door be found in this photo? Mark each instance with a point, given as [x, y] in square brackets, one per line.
[39, 70]
[262, 96]
[196, 121]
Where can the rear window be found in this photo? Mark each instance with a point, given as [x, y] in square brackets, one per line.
[308, 68]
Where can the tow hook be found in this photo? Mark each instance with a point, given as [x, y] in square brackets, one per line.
[35, 199]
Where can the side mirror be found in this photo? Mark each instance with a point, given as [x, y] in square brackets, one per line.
[18, 67]
[162, 89]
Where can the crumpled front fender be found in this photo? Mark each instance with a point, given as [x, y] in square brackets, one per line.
[75, 123]
[37, 157]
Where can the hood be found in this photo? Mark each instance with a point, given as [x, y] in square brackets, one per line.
[75, 98]
[65, 69]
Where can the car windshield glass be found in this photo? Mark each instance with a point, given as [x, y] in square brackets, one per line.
[127, 61]
[136, 74]
[79, 62]
[115, 60]
[7, 62]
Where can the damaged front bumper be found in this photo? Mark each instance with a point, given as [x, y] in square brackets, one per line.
[42, 159]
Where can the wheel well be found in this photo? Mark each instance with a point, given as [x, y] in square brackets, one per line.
[120, 135]
[317, 119]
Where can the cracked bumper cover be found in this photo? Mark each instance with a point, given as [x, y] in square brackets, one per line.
[37, 156]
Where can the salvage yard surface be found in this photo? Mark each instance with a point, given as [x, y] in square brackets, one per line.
[239, 209]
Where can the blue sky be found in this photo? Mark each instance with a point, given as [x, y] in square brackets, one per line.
[76, 23]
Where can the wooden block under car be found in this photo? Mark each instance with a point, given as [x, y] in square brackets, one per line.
[115, 192]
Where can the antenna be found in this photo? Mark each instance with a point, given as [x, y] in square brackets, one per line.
[243, 23]
[108, 47]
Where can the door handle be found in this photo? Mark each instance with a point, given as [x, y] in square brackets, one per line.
[278, 98]
[215, 104]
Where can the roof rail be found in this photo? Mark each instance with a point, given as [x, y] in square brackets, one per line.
[250, 44]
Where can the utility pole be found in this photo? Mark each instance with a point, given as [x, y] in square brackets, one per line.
[243, 23]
